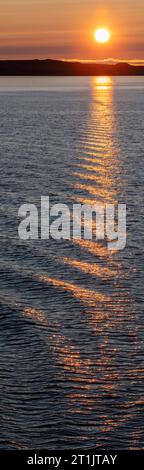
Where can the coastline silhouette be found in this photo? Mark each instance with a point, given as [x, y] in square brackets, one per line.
[51, 67]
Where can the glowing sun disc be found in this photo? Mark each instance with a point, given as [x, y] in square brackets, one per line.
[102, 35]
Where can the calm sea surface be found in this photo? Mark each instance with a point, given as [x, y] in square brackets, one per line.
[71, 313]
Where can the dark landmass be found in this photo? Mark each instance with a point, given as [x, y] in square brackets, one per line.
[63, 68]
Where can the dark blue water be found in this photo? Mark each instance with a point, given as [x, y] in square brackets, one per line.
[71, 312]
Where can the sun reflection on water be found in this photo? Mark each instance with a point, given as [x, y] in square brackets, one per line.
[101, 310]
[98, 161]
[102, 83]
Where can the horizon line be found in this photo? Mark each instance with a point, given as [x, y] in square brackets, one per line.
[108, 61]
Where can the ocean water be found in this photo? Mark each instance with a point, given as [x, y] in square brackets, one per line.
[71, 312]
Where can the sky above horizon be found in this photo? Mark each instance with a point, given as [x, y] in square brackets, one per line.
[65, 29]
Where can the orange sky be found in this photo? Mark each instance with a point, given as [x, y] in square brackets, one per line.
[64, 29]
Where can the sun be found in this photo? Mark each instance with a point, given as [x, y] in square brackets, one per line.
[102, 35]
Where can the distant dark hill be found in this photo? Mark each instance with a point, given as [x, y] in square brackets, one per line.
[60, 68]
